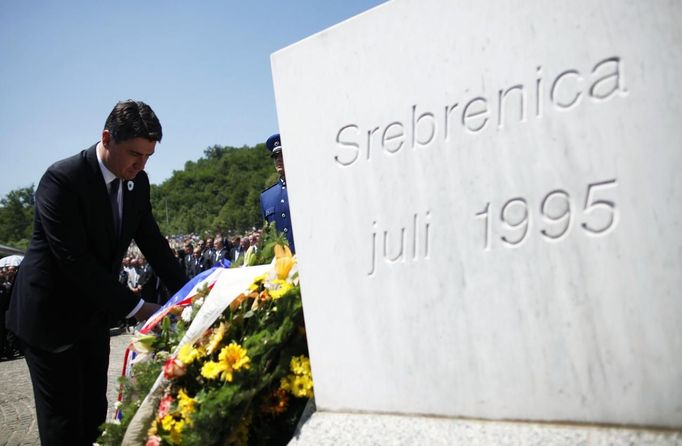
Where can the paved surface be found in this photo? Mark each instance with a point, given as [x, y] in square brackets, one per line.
[18, 425]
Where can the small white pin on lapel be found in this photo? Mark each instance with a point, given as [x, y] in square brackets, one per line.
[131, 185]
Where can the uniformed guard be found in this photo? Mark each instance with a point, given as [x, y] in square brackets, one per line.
[274, 202]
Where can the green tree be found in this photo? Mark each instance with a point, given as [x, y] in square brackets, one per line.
[16, 217]
[217, 193]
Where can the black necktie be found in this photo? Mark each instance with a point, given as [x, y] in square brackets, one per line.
[113, 198]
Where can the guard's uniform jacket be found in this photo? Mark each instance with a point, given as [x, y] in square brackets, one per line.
[274, 204]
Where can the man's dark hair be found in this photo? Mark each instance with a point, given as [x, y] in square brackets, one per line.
[132, 119]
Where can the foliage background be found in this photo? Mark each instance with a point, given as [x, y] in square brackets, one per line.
[217, 193]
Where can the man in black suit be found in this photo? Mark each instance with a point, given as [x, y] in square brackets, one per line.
[196, 263]
[87, 209]
[221, 251]
[187, 260]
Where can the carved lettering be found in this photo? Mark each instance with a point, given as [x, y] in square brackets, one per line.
[353, 146]
[577, 94]
[397, 242]
[477, 113]
[388, 137]
[419, 128]
[416, 127]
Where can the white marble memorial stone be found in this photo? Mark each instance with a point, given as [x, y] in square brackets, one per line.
[487, 205]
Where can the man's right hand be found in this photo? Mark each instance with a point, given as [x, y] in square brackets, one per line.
[146, 311]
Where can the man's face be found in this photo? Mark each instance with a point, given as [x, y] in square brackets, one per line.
[188, 249]
[279, 163]
[127, 158]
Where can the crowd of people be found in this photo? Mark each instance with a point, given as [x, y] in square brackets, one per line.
[197, 254]
[193, 253]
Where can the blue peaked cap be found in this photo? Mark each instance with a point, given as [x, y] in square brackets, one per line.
[274, 144]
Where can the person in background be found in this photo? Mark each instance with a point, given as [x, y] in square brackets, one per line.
[236, 249]
[134, 276]
[180, 257]
[209, 254]
[274, 201]
[187, 260]
[196, 263]
[123, 273]
[221, 252]
[5, 285]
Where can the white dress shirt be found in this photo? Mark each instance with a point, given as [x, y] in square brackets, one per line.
[108, 178]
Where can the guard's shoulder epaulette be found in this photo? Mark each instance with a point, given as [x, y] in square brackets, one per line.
[270, 187]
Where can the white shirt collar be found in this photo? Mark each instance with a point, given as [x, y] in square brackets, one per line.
[106, 173]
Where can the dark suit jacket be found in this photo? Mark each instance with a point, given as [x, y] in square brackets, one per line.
[224, 253]
[68, 280]
[196, 266]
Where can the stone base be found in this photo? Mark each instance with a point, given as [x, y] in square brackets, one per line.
[325, 428]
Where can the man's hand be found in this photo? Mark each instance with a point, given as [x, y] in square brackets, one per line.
[146, 310]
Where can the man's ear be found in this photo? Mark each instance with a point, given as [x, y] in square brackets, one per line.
[106, 138]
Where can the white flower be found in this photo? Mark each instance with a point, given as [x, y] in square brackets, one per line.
[142, 343]
[186, 314]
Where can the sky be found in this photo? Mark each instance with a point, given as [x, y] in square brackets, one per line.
[203, 67]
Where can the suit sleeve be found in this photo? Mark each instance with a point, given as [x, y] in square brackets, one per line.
[61, 216]
[155, 247]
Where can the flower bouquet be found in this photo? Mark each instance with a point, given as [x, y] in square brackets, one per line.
[222, 370]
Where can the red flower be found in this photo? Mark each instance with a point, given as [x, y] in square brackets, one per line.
[173, 368]
[154, 440]
[165, 405]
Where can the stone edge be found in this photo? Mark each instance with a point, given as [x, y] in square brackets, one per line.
[327, 428]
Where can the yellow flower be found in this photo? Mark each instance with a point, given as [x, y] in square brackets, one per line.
[284, 261]
[282, 251]
[302, 387]
[257, 282]
[300, 365]
[188, 354]
[176, 432]
[279, 288]
[234, 356]
[186, 405]
[300, 382]
[210, 369]
[285, 384]
[167, 423]
[231, 358]
[216, 337]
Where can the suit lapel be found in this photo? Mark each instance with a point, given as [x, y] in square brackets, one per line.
[99, 194]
